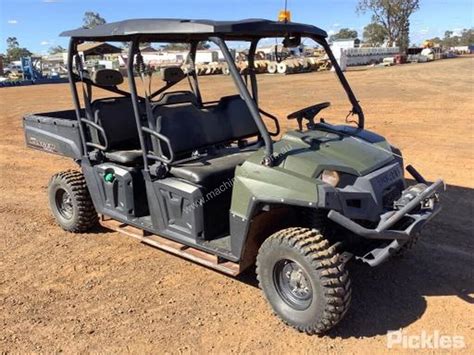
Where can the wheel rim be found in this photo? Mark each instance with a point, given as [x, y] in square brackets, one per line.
[64, 203]
[292, 284]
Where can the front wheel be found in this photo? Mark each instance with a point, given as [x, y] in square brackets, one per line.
[303, 279]
[70, 202]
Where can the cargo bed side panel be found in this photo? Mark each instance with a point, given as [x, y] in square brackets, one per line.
[54, 132]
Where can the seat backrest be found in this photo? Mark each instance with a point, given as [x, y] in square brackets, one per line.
[116, 117]
[235, 112]
[189, 128]
[176, 97]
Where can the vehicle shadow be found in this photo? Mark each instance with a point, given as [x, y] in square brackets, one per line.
[99, 229]
[393, 295]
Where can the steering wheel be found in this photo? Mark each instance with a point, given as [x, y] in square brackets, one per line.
[308, 113]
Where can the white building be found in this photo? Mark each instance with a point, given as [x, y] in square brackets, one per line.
[349, 53]
[177, 57]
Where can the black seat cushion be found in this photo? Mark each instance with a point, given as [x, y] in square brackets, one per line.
[210, 171]
[124, 156]
[117, 118]
[190, 128]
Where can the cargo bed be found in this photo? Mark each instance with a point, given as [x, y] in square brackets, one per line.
[54, 132]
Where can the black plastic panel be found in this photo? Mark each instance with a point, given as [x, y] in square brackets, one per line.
[54, 132]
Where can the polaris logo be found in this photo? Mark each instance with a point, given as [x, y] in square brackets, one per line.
[388, 177]
[49, 147]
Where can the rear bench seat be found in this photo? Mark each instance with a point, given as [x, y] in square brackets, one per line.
[189, 129]
[116, 117]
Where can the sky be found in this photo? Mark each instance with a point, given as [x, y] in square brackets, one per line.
[37, 23]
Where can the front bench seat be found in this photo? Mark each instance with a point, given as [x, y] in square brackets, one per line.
[210, 171]
[189, 129]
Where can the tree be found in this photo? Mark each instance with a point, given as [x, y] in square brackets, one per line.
[394, 16]
[92, 19]
[450, 40]
[375, 34]
[14, 52]
[12, 42]
[344, 33]
[465, 38]
[56, 50]
[436, 40]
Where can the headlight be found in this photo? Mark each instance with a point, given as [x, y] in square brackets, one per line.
[330, 177]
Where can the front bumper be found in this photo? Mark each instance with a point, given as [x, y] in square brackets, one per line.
[383, 230]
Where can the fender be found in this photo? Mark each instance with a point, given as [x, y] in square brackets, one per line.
[260, 188]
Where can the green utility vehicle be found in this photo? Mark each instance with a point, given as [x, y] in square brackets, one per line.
[206, 180]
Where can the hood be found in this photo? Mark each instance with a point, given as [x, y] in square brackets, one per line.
[309, 153]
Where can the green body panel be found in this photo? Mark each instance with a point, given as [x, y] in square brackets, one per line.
[300, 157]
[254, 181]
[309, 153]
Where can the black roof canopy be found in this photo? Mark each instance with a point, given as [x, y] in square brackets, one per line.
[185, 29]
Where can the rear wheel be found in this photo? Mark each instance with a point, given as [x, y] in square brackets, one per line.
[303, 279]
[71, 203]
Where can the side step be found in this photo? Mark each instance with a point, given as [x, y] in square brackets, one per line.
[185, 251]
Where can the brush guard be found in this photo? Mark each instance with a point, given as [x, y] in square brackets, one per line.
[419, 210]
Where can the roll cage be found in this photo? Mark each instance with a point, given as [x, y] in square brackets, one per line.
[193, 32]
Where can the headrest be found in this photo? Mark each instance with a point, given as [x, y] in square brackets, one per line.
[107, 77]
[172, 74]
